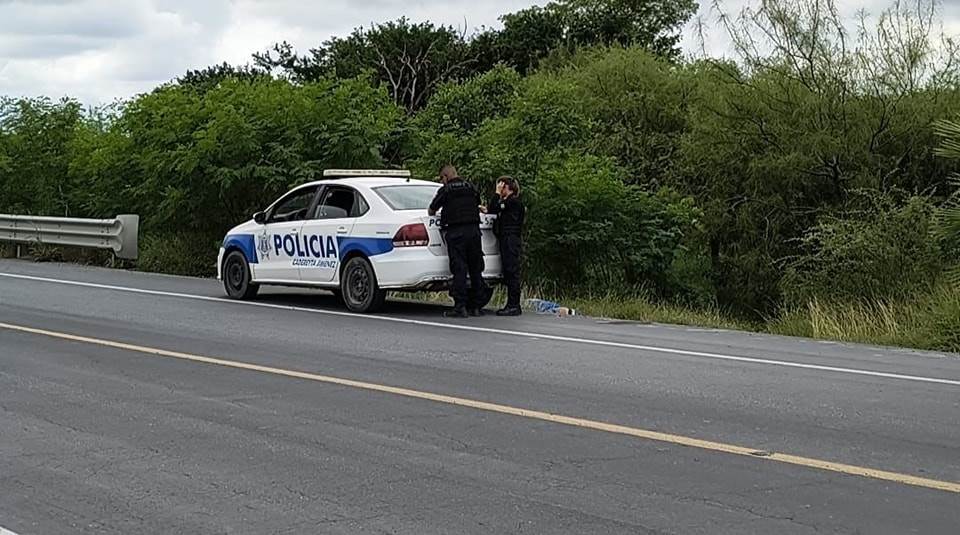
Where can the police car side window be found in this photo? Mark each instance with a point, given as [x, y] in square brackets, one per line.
[340, 203]
[293, 207]
[360, 207]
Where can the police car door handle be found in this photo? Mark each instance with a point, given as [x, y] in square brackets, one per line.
[342, 230]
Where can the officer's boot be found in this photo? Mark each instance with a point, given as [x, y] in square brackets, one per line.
[456, 312]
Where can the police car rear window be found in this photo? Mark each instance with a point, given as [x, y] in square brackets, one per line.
[407, 197]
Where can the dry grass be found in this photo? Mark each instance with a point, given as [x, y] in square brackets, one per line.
[927, 321]
[614, 307]
[930, 320]
[641, 309]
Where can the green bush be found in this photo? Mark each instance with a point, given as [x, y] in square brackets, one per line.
[880, 249]
[190, 254]
[925, 320]
[639, 106]
[945, 319]
[591, 232]
[208, 160]
[947, 221]
[463, 107]
[35, 154]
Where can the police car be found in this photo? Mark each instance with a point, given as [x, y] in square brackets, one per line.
[358, 233]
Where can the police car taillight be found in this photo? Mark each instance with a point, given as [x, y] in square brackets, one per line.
[414, 235]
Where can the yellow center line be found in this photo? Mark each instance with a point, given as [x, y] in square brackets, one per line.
[680, 440]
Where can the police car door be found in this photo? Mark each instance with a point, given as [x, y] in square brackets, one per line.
[331, 223]
[279, 243]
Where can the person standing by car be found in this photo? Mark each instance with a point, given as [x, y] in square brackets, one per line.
[509, 227]
[458, 203]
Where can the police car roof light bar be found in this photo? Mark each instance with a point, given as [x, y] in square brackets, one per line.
[344, 173]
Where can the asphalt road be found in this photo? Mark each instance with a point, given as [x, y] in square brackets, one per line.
[100, 437]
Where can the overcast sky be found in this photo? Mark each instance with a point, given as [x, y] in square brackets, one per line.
[100, 50]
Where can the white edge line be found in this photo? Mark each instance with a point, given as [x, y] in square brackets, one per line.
[4, 531]
[521, 334]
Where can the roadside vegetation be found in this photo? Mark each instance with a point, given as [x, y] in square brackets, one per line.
[805, 187]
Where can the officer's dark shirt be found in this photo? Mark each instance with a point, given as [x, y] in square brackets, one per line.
[459, 201]
[510, 215]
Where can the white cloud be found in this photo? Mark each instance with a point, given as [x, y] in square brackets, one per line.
[92, 18]
[99, 50]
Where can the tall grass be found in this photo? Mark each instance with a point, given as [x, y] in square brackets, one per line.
[643, 309]
[192, 254]
[929, 320]
[612, 306]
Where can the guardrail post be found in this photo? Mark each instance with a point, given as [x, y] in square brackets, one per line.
[129, 237]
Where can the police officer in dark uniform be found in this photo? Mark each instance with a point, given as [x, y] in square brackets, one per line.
[458, 202]
[509, 226]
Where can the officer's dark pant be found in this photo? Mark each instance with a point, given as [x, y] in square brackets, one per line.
[465, 249]
[510, 247]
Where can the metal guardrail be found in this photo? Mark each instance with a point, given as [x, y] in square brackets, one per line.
[119, 235]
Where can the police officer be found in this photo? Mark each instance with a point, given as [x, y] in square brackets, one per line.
[509, 226]
[460, 223]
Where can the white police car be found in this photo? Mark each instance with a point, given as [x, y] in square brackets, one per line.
[356, 233]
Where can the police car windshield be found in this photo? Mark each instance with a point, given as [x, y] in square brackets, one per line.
[407, 197]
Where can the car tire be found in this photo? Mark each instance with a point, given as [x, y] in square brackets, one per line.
[359, 288]
[236, 277]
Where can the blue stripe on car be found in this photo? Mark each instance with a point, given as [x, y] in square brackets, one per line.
[368, 246]
[245, 242]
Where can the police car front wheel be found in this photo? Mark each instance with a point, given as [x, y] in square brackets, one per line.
[236, 277]
[359, 287]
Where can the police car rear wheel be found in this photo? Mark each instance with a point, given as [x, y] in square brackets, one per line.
[359, 287]
[236, 277]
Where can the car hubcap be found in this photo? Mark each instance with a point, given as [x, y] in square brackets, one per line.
[235, 275]
[359, 285]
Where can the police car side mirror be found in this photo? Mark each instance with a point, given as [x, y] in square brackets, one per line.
[259, 218]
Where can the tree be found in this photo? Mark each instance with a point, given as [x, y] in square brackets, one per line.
[532, 34]
[528, 36]
[414, 59]
[210, 77]
[652, 24]
[411, 60]
[809, 115]
[640, 104]
[35, 141]
[463, 107]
